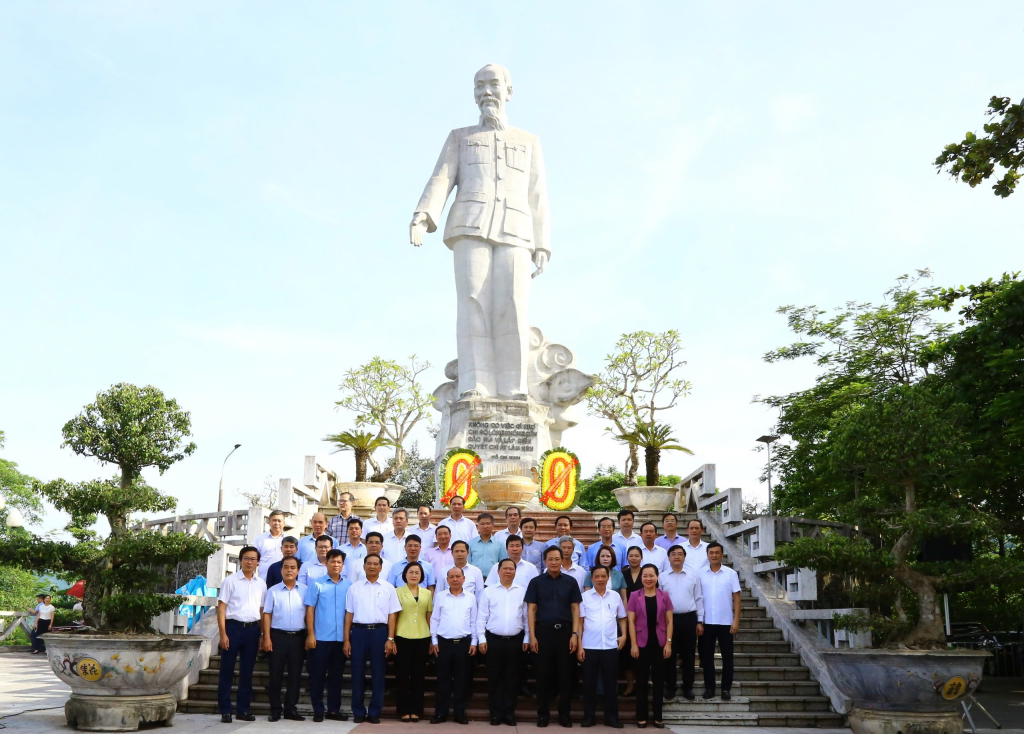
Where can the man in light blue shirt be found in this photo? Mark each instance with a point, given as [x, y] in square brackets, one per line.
[533, 550]
[316, 568]
[563, 527]
[669, 523]
[325, 635]
[606, 528]
[284, 632]
[354, 547]
[484, 550]
[307, 544]
[412, 555]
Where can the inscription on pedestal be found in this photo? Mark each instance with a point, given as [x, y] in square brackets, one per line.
[503, 440]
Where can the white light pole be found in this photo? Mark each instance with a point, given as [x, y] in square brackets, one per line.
[220, 494]
[767, 441]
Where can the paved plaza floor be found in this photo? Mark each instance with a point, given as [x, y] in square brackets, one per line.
[32, 700]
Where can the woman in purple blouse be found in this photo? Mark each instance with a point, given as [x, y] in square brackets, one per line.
[650, 628]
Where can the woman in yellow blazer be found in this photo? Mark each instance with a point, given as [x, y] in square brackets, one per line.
[412, 637]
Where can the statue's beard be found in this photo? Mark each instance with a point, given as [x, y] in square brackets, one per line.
[491, 117]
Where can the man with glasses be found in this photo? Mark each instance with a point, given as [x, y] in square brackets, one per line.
[338, 526]
[238, 617]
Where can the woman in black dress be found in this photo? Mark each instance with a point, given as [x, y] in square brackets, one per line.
[631, 575]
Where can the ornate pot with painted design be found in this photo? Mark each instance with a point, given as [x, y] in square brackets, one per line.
[121, 680]
[916, 691]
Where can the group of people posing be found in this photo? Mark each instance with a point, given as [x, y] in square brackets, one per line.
[457, 592]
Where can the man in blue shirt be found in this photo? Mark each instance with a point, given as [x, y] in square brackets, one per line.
[412, 555]
[325, 635]
[354, 547]
[307, 546]
[606, 528]
[563, 527]
[533, 550]
[484, 550]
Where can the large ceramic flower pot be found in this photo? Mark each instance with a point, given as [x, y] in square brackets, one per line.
[905, 690]
[652, 499]
[120, 680]
[366, 493]
[623, 498]
[505, 491]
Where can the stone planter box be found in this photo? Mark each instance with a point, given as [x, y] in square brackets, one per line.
[905, 690]
[366, 493]
[119, 680]
[645, 499]
[501, 492]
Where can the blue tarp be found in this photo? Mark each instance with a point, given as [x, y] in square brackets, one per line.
[195, 587]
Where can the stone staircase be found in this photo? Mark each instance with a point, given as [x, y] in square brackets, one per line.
[771, 687]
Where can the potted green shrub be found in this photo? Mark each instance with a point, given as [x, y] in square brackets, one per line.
[120, 672]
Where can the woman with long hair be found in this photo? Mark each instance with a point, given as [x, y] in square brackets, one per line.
[412, 639]
[650, 631]
[631, 578]
[606, 558]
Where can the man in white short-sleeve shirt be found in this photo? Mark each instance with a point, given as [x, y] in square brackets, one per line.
[462, 527]
[683, 586]
[239, 608]
[473, 580]
[721, 588]
[696, 549]
[603, 623]
[269, 543]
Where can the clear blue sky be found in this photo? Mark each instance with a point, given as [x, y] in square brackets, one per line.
[214, 198]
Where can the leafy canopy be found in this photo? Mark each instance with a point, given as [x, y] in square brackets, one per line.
[974, 159]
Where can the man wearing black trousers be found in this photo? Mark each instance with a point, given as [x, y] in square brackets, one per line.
[683, 585]
[238, 617]
[603, 619]
[721, 588]
[453, 641]
[284, 632]
[500, 626]
[554, 617]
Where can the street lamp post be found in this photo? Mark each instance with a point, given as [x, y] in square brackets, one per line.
[767, 441]
[220, 494]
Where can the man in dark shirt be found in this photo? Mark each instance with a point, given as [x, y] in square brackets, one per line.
[553, 600]
[289, 549]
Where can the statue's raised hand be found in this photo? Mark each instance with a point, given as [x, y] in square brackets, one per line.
[540, 259]
[417, 228]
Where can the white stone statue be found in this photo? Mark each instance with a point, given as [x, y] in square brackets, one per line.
[497, 225]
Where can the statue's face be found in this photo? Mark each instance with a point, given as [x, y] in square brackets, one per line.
[490, 91]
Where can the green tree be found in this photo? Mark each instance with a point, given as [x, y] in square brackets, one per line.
[595, 493]
[416, 476]
[18, 490]
[974, 159]
[389, 400]
[362, 444]
[637, 383]
[132, 428]
[653, 439]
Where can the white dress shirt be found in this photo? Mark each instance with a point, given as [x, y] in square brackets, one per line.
[577, 572]
[657, 556]
[524, 572]
[242, 597]
[286, 607]
[426, 536]
[462, 529]
[356, 572]
[631, 541]
[685, 589]
[474, 581]
[502, 611]
[394, 547]
[502, 535]
[371, 603]
[373, 525]
[718, 589]
[270, 551]
[454, 617]
[696, 558]
[600, 616]
[311, 571]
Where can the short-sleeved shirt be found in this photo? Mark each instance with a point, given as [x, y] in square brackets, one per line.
[394, 547]
[663, 541]
[462, 529]
[46, 611]
[337, 526]
[242, 597]
[473, 583]
[373, 525]
[371, 603]
[270, 551]
[414, 619]
[395, 575]
[554, 597]
[328, 599]
[578, 554]
[485, 553]
[286, 607]
[353, 553]
[631, 541]
[439, 559]
[718, 589]
[426, 536]
[616, 581]
[534, 553]
[525, 572]
[310, 572]
[274, 576]
[600, 615]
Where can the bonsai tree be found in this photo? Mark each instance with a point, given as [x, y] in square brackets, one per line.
[388, 401]
[880, 442]
[362, 444]
[132, 428]
[653, 439]
[637, 383]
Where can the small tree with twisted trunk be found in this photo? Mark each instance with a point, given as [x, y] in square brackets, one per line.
[362, 444]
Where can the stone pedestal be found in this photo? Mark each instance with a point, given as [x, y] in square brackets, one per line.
[119, 713]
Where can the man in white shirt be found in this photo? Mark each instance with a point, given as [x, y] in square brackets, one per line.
[563, 529]
[625, 535]
[307, 544]
[312, 570]
[683, 585]
[721, 588]
[603, 633]
[238, 617]
[424, 528]
[462, 527]
[501, 632]
[512, 519]
[440, 554]
[651, 552]
[394, 542]
[269, 543]
[371, 614]
[381, 523]
[453, 641]
[524, 569]
[374, 546]
[284, 631]
[354, 548]
[696, 549]
[569, 566]
[473, 580]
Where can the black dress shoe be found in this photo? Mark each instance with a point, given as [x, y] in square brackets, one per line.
[461, 719]
[359, 719]
[510, 720]
[245, 717]
[542, 722]
[641, 726]
[726, 696]
[587, 723]
[658, 724]
[225, 718]
[318, 717]
[337, 716]
[495, 721]
[708, 694]
[688, 695]
[567, 723]
[294, 716]
[438, 719]
[669, 695]
[614, 724]
[373, 719]
[274, 717]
